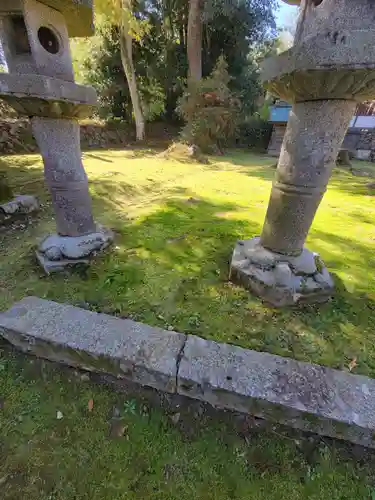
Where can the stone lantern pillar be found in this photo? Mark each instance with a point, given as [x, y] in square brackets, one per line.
[40, 84]
[330, 67]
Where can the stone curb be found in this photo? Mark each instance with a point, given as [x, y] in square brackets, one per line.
[301, 395]
[94, 342]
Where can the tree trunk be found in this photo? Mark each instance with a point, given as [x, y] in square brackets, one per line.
[182, 37]
[194, 40]
[126, 45]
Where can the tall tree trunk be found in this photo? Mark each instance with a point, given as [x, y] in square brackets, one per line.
[194, 40]
[126, 45]
[182, 37]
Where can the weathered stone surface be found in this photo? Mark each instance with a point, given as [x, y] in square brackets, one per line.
[58, 253]
[324, 278]
[60, 265]
[330, 66]
[65, 176]
[301, 395]
[257, 254]
[303, 263]
[260, 256]
[33, 106]
[39, 95]
[283, 275]
[94, 342]
[287, 281]
[362, 154]
[56, 246]
[40, 84]
[322, 16]
[23, 204]
[333, 54]
[314, 134]
[78, 13]
[16, 136]
[320, 68]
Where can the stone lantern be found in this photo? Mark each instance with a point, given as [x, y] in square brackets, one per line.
[330, 68]
[40, 84]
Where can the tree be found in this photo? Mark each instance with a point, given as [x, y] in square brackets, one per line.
[210, 110]
[126, 46]
[240, 30]
[194, 39]
[120, 13]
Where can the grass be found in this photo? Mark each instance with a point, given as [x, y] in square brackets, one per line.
[176, 224]
[77, 457]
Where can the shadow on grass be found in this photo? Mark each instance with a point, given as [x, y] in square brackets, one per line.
[261, 166]
[96, 157]
[25, 175]
[170, 269]
[192, 233]
[253, 166]
[102, 188]
[344, 182]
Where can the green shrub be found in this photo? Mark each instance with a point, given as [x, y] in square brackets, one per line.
[254, 133]
[210, 111]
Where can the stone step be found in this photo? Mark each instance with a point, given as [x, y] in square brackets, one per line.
[301, 395]
[94, 342]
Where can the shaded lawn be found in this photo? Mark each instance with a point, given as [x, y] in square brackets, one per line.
[176, 224]
[199, 457]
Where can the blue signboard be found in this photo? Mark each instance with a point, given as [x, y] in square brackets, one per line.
[280, 113]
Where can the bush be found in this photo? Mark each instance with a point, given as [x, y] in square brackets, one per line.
[210, 111]
[254, 133]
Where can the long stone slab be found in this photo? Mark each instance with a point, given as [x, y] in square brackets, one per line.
[301, 395]
[45, 87]
[94, 342]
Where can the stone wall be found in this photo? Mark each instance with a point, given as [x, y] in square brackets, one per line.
[360, 142]
[16, 135]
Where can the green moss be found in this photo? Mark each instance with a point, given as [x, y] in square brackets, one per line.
[176, 226]
[75, 457]
[313, 421]
[319, 263]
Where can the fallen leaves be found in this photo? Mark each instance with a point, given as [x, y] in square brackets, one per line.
[353, 364]
[175, 418]
[90, 405]
[118, 429]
